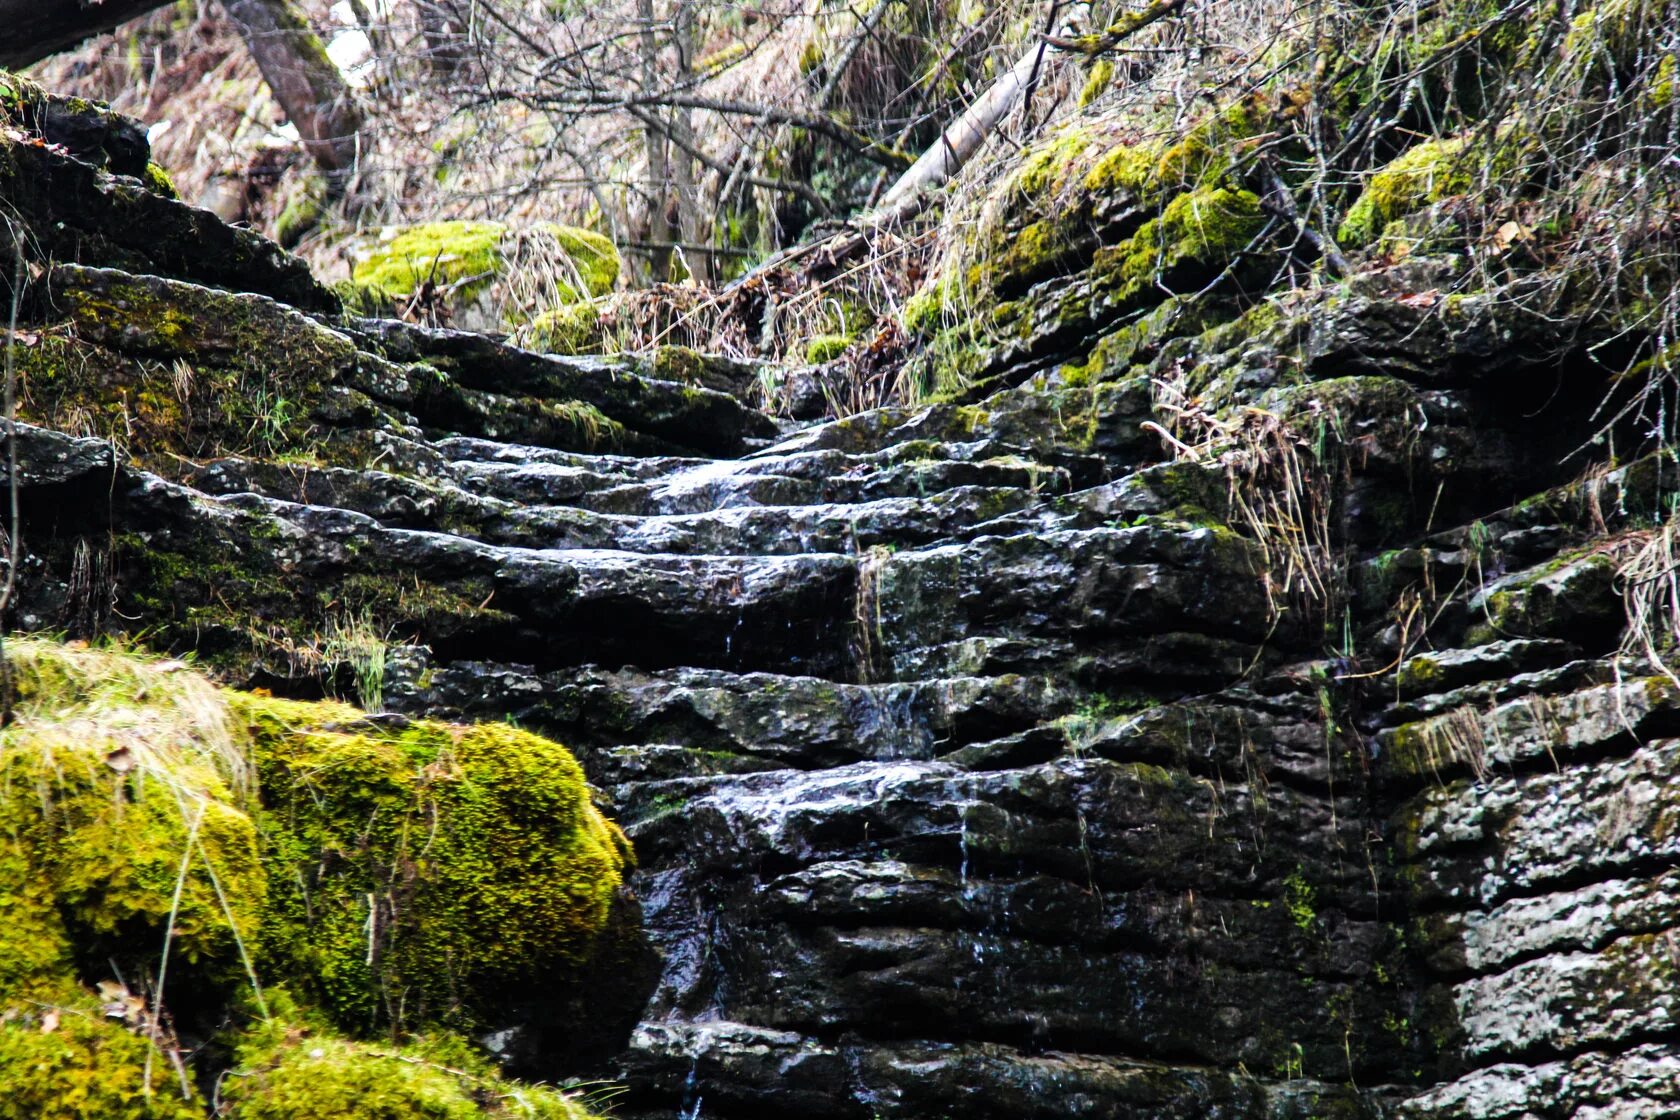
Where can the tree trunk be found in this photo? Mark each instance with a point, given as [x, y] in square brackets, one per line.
[964, 137]
[661, 224]
[309, 88]
[961, 140]
[34, 29]
[688, 225]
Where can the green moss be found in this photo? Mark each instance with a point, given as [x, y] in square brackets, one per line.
[85, 1067]
[1660, 93]
[1198, 232]
[473, 854]
[679, 363]
[1125, 167]
[924, 312]
[301, 215]
[1051, 165]
[1425, 174]
[1096, 82]
[572, 328]
[593, 257]
[465, 254]
[1420, 674]
[362, 299]
[101, 795]
[177, 369]
[404, 875]
[468, 257]
[826, 347]
[1209, 147]
[159, 182]
[296, 1068]
[1301, 900]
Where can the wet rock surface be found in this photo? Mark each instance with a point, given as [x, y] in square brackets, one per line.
[978, 758]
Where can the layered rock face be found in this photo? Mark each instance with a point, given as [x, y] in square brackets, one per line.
[984, 758]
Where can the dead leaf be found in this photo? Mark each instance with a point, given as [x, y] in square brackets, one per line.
[1510, 233]
[1421, 299]
[121, 760]
[49, 1021]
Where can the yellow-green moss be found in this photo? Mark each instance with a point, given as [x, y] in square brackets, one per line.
[85, 1067]
[1203, 228]
[572, 328]
[169, 369]
[826, 347]
[137, 798]
[295, 1068]
[593, 255]
[303, 213]
[1425, 174]
[1096, 82]
[1209, 147]
[444, 253]
[1659, 95]
[468, 257]
[1051, 164]
[924, 312]
[109, 770]
[159, 182]
[473, 853]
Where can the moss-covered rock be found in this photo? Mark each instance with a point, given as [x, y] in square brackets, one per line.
[475, 267]
[465, 859]
[826, 347]
[68, 1062]
[155, 826]
[1196, 235]
[570, 328]
[292, 1067]
[1422, 175]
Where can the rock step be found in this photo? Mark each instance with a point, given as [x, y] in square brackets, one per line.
[624, 723]
[1637, 1083]
[738, 1070]
[725, 719]
[1541, 831]
[405, 502]
[818, 478]
[923, 896]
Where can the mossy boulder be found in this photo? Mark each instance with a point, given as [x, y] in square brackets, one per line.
[170, 849]
[570, 328]
[1423, 175]
[291, 1067]
[487, 275]
[466, 860]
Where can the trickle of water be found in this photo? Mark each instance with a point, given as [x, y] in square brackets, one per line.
[688, 1112]
[962, 845]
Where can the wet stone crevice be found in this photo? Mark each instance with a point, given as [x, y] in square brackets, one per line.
[975, 762]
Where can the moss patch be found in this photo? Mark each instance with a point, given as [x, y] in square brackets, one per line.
[402, 875]
[465, 254]
[1423, 175]
[293, 1067]
[460, 859]
[468, 257]
[826, 347]
[571, 328]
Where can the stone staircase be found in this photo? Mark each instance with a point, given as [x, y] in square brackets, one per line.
[973, 767]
